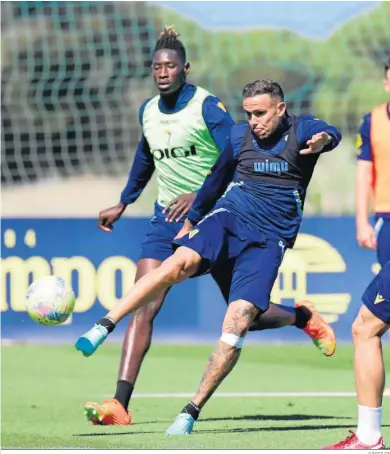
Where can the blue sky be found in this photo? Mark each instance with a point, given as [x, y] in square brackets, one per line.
[311, 19]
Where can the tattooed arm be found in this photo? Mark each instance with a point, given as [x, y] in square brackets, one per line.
[238, 319]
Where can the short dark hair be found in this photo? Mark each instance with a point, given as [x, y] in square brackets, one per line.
[263, 87]
[169, 40]
[387, 66]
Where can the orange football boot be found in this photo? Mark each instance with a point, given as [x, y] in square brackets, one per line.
[319, 330]
[110, 413]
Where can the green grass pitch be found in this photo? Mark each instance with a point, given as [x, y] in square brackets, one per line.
[44, 389]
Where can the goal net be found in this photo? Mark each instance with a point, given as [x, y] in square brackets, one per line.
[75, 73]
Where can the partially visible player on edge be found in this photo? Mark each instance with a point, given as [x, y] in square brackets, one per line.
[372, 182]
[273, 156]
[370, 324]
[373, 178]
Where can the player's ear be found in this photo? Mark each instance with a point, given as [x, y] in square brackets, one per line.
[187, 68]
[281, 108]
[386, 84]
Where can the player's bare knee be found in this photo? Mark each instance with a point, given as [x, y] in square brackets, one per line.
[190, 261]
[180, 266]
[367, 326]
[169, 271]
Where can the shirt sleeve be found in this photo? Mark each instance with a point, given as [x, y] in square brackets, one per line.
[215, 184]
[363, 141]
[218, 121]
[310, 125]
[140, 173]
[142, 168]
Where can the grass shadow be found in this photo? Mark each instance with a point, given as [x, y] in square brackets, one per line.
[274, 418]
[272, 429]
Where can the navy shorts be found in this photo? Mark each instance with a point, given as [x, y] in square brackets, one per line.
[377, 295]
[382, 228]
[245, 255]
[158, 245]
[158, 240]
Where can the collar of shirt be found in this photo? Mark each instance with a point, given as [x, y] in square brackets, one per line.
[184, 96]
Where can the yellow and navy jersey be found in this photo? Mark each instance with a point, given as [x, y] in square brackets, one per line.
[373, 144]
[181, 142]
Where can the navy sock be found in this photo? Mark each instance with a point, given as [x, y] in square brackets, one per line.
[192, 410]
[124, 390]
[107, 323]
[302, 316]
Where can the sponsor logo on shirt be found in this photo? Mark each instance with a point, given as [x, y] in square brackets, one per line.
[270, 167]
[173, 153]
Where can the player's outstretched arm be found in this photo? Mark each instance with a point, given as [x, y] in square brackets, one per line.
[317, 143]
[317, 135]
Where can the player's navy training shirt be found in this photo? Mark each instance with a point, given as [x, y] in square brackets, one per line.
[268, 178]
[217, 119]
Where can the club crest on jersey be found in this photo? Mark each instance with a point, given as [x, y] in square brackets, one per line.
[379, 299]
[193, 233]
[169, 134]
[221, 106]
[359, 143]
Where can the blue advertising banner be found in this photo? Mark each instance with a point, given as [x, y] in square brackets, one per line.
[326, 267]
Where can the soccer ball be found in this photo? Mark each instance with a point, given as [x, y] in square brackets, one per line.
[50, 301]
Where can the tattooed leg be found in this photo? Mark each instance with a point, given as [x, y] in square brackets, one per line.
[238, 319]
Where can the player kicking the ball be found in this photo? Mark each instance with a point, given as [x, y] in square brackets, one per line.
[273, 156]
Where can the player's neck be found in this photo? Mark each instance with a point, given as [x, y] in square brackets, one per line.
[283, 126]
[278, 133]
[171, 99]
